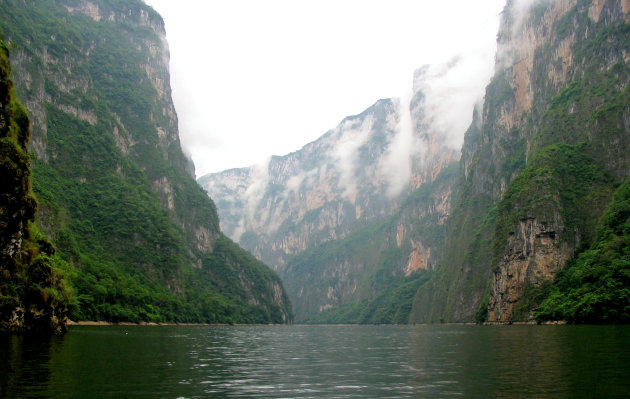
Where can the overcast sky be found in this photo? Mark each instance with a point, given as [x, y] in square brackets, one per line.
[254, 78]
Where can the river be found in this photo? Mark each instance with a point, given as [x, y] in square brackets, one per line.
[300, 361]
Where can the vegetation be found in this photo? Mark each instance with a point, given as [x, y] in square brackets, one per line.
[595, 286]
[138, 237]
[33, 294]
[391, 305]
[481, 316]
[561, 179]
[560, 162]
[366, 272]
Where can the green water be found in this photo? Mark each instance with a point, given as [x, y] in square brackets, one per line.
[320, 361]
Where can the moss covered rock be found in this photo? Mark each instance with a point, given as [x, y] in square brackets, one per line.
[32, 294]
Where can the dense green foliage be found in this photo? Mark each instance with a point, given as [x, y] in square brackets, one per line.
[391, 304]
[560, 179]
[481, 316]
[315, 268]
[141, 239]
[33, 294]
[595, 286]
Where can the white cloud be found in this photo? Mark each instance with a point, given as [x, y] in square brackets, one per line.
[253, 78]
[518, 12]
[397, 161]
[255, 192]
[451, 91]
[346, 152]
[294, 182]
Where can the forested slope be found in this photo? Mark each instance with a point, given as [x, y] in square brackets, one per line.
[117, 195]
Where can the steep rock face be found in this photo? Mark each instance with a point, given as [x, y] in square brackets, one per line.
[308, 193]
[595, 286]
[354, 179]
[562, 191]
[370, 276]
[33, 297]
[357, 172]
[117, 195]
[533, 255]
[562, 68]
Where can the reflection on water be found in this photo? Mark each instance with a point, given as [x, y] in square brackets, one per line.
[25, 364]
[319, 361]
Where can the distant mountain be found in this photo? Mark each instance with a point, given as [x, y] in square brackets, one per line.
[138, 238]
[350, 181]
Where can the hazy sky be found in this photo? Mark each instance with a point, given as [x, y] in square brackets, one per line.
[256, 78]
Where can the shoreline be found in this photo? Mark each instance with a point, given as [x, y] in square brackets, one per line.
[145, 323]
[526, 323]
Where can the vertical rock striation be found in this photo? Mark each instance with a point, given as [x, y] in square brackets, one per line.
[116, 191]
[354, 178]
[541, 167]
[33, 297]
[533, 256]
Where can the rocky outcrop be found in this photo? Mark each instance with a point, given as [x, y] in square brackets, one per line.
[561, 68]
[32, 295]
[534, 254]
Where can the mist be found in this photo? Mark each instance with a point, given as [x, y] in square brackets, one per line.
[253, 79]
[396, 166]
[449, 92]
[346, 151]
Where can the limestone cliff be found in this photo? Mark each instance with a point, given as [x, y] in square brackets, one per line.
[370, 276]
[33, 297]
[117, 195]
[541, 168]
[323, 191]
[360, 171]
[355, 175]
[533, 256]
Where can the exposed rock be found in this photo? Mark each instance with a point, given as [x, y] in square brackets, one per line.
[164, 188]
[84, 115]
[534, 254]
[418, 259]
[546, 51]
[320, 192]
[94, 75]
[32, 296]
[205, 239]
[87, 8]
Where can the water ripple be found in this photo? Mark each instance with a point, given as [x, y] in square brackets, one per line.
[321, 361]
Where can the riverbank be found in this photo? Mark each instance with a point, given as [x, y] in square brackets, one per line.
[526, 323]
[142, 323]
